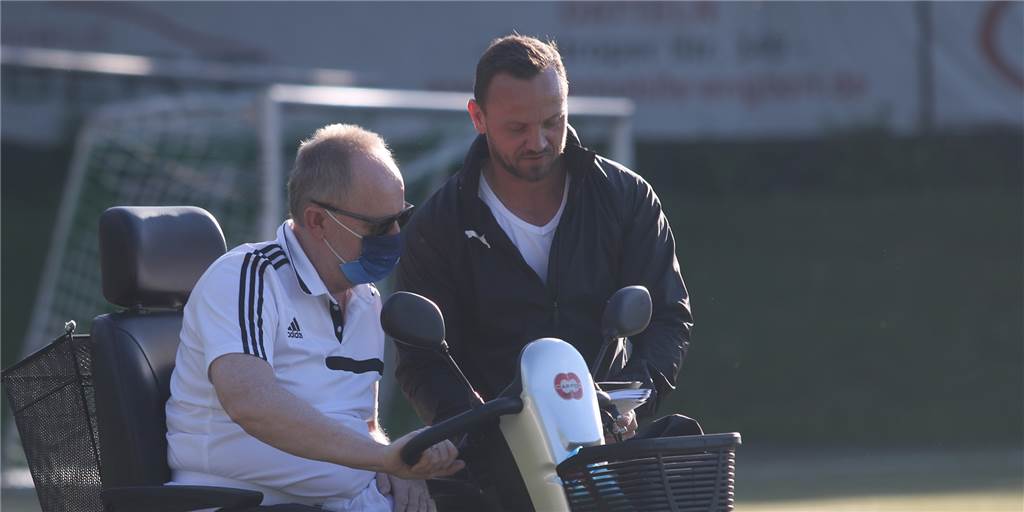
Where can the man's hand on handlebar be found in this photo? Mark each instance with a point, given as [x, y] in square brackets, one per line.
[622, 429]
[437, 461]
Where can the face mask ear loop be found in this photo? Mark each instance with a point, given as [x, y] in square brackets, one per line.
[336, 255]
[357, 235]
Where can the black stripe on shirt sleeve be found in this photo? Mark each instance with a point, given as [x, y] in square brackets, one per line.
[251, 309]
[259, 310]
[272, 252]
[242, 303]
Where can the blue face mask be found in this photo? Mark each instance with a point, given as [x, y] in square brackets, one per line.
[377, 260]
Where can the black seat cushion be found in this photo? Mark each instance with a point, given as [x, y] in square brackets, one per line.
[133, 357]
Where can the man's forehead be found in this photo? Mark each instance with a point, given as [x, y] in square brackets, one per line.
[519, 111]
[546, 91]
[376, 183]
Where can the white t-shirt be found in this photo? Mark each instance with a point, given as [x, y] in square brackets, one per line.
[266, 299]
[533, 242]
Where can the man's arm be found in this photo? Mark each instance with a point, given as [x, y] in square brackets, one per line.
[249, 392]
[649, 259]
[428, 382]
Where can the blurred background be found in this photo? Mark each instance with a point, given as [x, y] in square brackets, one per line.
[844, 181]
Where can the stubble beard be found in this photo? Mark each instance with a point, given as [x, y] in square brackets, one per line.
[533, 174]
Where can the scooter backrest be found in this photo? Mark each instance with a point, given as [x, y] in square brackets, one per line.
[152, 256]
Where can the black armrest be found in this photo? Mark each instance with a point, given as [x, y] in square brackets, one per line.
[177, 498]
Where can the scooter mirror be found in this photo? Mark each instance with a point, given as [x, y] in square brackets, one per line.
[627, 313]
[413, 320]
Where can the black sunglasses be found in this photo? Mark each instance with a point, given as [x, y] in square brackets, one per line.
[378, 226]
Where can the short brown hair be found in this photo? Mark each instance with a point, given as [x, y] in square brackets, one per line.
[323, 168]
[523, 57]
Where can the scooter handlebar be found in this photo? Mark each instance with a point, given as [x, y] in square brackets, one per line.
[458, 424]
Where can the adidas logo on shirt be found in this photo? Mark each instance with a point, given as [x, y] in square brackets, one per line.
[293, 329]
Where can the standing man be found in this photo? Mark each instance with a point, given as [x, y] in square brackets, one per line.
[275, 383]
[531, 238]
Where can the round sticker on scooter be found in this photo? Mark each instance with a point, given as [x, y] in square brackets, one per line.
[568, 386]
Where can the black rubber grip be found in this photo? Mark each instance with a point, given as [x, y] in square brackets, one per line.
[457, 425]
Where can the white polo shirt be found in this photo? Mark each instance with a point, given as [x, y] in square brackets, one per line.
[266, 300]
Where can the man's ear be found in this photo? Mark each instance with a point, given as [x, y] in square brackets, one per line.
[314, 220]
[476, 114]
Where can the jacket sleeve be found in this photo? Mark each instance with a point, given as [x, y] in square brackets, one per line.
[649, 259]
[426, 378]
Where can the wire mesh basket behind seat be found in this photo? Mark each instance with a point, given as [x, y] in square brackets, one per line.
[685, 473]
[51, 395]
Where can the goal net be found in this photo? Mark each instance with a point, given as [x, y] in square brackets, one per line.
[230, 153]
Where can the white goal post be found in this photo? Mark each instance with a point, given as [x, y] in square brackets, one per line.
[179, 150]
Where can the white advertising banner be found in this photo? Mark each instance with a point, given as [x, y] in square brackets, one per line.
[695, 69]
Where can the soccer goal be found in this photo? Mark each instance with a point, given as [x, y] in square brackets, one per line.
[230, 154]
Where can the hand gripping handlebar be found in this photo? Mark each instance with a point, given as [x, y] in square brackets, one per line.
[458, 424]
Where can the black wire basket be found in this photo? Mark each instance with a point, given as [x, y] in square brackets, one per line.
[685, 473]
[51, 395]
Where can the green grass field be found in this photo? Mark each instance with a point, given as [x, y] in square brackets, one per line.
[963, 501]
[985, 480]
[988, 480]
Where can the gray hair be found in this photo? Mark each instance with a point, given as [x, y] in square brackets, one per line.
[323, 168]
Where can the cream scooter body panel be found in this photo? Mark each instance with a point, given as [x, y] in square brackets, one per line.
[560, 414]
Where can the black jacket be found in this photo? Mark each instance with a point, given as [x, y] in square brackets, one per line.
[612, 234]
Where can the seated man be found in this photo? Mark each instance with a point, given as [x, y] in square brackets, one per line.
[275, 384]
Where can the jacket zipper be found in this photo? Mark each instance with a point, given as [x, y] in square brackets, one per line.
[552, 266]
